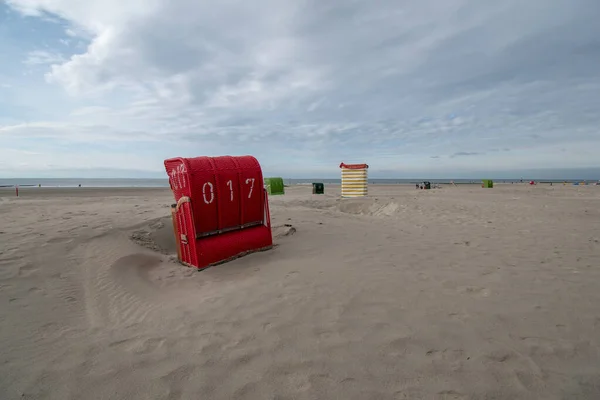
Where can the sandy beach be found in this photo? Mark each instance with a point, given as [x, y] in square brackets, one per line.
[452, 293]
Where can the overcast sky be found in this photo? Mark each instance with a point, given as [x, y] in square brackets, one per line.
[413, 88]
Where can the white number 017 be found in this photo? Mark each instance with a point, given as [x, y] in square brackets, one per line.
[210, 192]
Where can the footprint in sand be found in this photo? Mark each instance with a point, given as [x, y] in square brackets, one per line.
[35, 290]
[5, 286]
[459, 316]
[59, 240]
[523, 368]
[490, 272]
[178, 376]
[8, 260]
[28, 270]
[499, 356]
[267, 326]
[291, 274]
[447, 354]
[399, 346]
[7, 273]
[70, 299]
[450, 395]
[408, 394]
[139, 346]
[476, 291]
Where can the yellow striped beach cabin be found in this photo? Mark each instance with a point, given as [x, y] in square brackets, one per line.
[354, 180]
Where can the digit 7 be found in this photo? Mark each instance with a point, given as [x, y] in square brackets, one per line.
[251, 182]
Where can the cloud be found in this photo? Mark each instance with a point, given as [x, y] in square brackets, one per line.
[41, 57]
[466, 153]
[312, 83]
[22, 152]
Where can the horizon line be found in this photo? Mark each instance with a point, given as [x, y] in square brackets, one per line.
[524, 177]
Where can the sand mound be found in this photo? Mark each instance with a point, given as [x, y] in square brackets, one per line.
[280, 231]
[371, 207]
[367, 206]
[134, 266]
[157, 236]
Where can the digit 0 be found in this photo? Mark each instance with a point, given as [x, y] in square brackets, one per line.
[212, 193]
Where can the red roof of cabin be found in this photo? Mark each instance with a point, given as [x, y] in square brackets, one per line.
[353, 166]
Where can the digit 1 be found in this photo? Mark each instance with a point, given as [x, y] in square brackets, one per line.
[230, 184]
